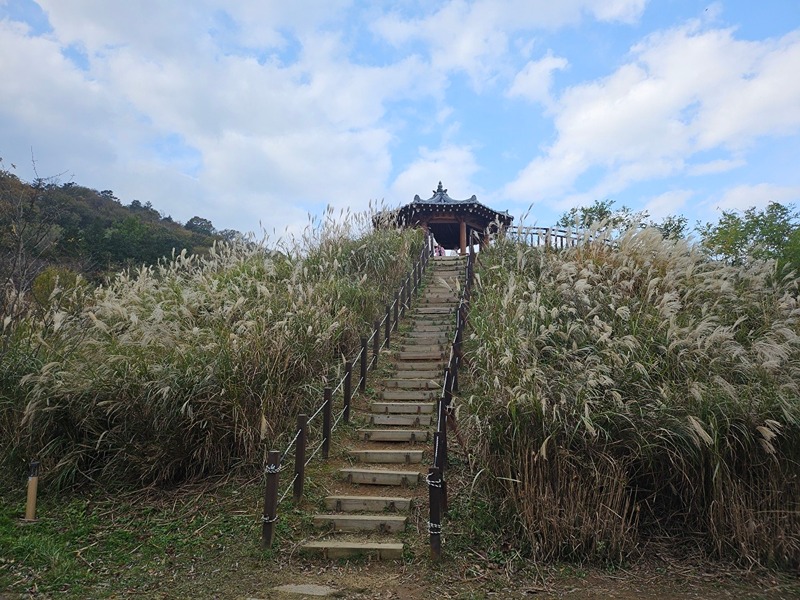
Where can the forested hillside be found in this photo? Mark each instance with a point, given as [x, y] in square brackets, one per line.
[74, 228]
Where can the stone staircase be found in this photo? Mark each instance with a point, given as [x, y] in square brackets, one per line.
[372, 499]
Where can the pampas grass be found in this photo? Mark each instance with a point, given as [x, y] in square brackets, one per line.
[200, 363]
[627, 388]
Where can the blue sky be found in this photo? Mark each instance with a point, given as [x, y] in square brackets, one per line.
[254, 113]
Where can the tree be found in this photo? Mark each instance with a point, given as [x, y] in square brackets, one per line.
[29, 231]
[200, 225]
[771, 233]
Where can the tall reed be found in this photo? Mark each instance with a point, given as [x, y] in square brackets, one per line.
[634, 387]
[197, 364]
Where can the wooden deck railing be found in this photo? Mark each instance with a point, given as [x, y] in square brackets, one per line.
[553, 237]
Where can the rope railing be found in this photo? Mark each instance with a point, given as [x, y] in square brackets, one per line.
[437, 483]
[396, 308]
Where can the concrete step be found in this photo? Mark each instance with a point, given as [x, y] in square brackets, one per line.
[418, 395]
[428, 337]
[336, 550]
[367, 503]
[395, 457]
[439, 298]
[381, 477]
[414, 346]
[394, 435]
[433, 310]
[409, 355]
[382, 523]
[402, 408]
[427, 326]
[403, 383]
[400, 420]
[410, 370]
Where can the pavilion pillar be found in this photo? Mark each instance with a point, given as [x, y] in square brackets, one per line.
[463, 236]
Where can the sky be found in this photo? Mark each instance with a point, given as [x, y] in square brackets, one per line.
[256, 113]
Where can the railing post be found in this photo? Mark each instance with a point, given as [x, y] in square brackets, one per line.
[408, 291]
[376, 343]
[388, 325]
[396, 311]
[326, 423]
[270, 499]
[362, 385]
[456, 361]
[33, 490]
[347, 392]
[440, 454]
[300, 458]
[435, 520]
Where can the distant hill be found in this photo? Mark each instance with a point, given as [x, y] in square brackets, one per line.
[44, 223]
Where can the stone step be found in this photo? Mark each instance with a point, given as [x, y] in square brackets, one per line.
[409, 355]
[420, 395]
[428, 327]
[413, 346]
[412, 384]
[396, 457]
[406, 370]
[382, 523]
[429, 337]
[367, 503]
[381, 477]
[433, 310]
[402, 408]
[336, 550]
[394, 435]
[400, 420]
[439, 298]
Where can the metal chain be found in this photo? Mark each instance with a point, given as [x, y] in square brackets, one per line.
[434, 528]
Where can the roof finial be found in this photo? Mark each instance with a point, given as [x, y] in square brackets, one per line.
[439, 190]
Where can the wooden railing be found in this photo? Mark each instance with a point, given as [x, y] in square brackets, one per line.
[366, 359]
[553, 237]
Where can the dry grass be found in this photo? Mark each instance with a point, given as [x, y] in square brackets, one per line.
[637, 388]
[196, 365]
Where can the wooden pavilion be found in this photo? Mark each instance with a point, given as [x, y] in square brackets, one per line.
[453, 222]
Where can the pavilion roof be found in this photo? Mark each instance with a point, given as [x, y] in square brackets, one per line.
[441, 203]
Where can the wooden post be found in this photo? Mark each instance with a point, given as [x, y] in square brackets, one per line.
[300, 457]
[462, 236]
[435, 520]
[376, 343]
[402, 297]
[326, 423]
[408, 292]
[270, 499]
[347, 392]
[362, 385]
[388, 325]
[396, 311]
[440, 444]
[454, 372]
[33, 489]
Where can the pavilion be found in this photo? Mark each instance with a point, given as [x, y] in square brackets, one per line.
[453, 222]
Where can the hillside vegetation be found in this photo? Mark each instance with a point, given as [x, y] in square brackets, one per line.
[638, 389]
[193, 365]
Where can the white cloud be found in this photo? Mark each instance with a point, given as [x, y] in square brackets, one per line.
[668, 203]
[535, 80]
[760, 195]
[685, 91]
[446, 164]
[715, 166]
[474, 37]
